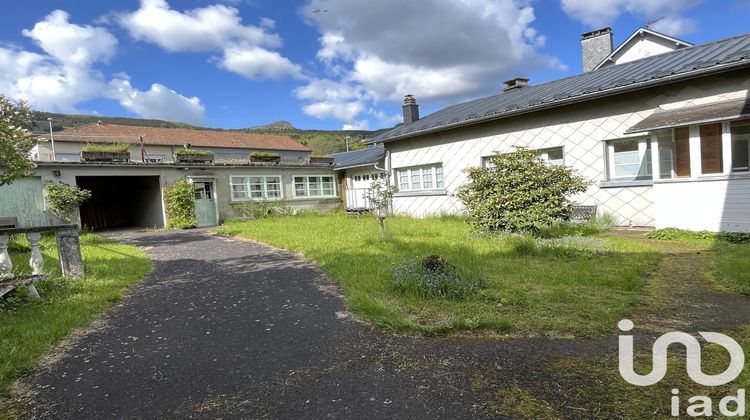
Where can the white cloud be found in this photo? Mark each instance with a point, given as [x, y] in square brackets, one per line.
[258, 63]
[342, 111]
[79, 45]
[675, 26]
[357, 125]
[203, 29]
[604, 12]
[159, 102]
[390, 48]
[246, 49]
[65, 75]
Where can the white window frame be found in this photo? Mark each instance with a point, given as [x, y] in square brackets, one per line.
[543, 154]
[741, 170]
[419, 172]
[154, 158]
[247, 184]
[307, 195]
[644, 146]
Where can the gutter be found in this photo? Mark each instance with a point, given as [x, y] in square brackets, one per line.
[569, 101]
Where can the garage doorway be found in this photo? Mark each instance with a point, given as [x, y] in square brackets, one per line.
[119, 202]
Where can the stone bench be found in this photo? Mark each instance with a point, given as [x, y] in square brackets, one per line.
[68, 252]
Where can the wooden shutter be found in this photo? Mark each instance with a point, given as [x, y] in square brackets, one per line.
[711, 150]
[682, 152]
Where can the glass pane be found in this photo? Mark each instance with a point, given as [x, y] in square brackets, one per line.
[741, 153]
[555, 154]
[626, 146]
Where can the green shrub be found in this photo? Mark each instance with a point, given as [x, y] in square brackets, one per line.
[265, 155]
[179, 200]
[63, 200]
[433, 277]
[261, 209]
[106, 147]
[563, 228]
[520, 193]
[671, 234]
[197, 152]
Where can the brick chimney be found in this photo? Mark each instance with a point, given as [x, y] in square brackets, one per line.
[595, 47]
[516, 83]
[411, 109]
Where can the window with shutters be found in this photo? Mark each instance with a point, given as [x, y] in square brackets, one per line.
[740, 131]
[711, 149]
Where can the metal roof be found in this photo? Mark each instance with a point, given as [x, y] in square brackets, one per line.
[356, 158]
[719, 111]
[714, 57]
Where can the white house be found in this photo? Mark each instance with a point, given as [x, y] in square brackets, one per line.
[660, 126]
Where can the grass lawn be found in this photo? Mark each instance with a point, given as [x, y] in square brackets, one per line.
[28, 329]
[563, 291]
[731, 266]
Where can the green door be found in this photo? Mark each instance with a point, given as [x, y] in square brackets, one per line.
[205, 204]
[24, 201]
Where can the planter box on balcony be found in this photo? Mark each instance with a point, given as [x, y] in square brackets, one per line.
[105, 156]
[191, 158]
[321, 160]
[265, 159]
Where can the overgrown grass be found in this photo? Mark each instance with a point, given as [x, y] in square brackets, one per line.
[731, 266]
[566, 293]
[106, 147]
[28, 329]
[195, 152]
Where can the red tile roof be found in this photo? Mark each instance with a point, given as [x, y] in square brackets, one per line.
[111, 133]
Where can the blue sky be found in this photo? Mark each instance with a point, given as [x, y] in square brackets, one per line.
[326, 64]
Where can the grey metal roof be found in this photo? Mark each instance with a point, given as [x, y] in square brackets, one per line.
[355, 158]
[723, 55]
[719, 111]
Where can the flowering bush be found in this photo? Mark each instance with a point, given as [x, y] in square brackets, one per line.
[16, 141]
[432, 276]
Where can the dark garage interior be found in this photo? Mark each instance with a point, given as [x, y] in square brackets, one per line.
[121, 202]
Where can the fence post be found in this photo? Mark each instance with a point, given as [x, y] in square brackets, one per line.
[69, 251]
[6, 265]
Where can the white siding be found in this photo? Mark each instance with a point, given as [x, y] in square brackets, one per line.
[579, 129]
[715, 205]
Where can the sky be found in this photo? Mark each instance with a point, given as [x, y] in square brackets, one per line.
[319, 64]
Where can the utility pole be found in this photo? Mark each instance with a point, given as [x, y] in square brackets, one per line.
[346, 139]
[52, 139]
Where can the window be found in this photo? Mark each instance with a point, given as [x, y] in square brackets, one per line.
[202, 190]
[420, 178]
[154, 158]
[630, 159]
[553, 156]
[682, 152]
[314, 186]
[711, 150]
[246, 188]
[740, 145]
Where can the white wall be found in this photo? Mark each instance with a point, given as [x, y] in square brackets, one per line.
[580, 129]
[643, 46]
[714, 205]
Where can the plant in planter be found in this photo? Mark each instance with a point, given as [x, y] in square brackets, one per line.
[268, 157]
[106, 152]
[321, 160]
[193, 156]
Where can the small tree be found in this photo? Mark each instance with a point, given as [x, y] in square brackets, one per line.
[63, 200]
[380, 196]
[520, 193]
[16, 141]
[179, 200]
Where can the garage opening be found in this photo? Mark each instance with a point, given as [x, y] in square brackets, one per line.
[121, 202]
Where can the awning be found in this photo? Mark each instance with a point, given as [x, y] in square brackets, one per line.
[718, 111]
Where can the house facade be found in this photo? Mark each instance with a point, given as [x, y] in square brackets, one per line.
[663, 138]
[127, 194]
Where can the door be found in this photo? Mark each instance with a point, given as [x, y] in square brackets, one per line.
[205, 203]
